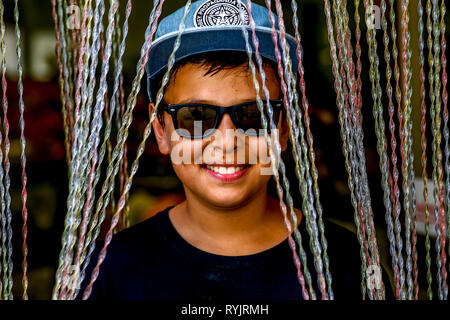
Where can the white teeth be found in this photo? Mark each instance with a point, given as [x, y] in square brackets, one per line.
[224, 170]
[231, 170]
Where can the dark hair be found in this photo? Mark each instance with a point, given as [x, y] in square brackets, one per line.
[214, 61]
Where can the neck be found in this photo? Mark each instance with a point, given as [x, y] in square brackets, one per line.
[227, 221]
[249, 228]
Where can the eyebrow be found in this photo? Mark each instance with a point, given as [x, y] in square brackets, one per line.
[201, 101]
[193, 100]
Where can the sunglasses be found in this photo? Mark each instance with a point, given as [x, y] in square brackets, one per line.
[198, 120]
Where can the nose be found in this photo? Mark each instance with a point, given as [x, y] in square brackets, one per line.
[226, 123]
[226, 137]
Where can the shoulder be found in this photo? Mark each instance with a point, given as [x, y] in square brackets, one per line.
[344, 231]
[141, 229]
[343, 252]
[128, 251]
[342, 242]
[142, 234]
[130, 243]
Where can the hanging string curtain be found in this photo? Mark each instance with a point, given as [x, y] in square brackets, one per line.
[92, 107]
[347, 66]
[6, 234]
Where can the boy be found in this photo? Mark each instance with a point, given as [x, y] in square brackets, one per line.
[228, 239]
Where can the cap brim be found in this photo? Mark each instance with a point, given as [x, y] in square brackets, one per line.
[194, 41]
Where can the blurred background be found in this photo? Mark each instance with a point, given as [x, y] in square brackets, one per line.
[156, 186]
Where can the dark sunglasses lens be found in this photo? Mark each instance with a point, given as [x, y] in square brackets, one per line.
[249, 117]
[196, 119]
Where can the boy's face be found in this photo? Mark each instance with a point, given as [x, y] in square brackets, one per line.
[245, 158]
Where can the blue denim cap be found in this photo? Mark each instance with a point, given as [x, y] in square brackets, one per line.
[213, 25]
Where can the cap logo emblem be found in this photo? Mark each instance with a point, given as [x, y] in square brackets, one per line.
[220, 13]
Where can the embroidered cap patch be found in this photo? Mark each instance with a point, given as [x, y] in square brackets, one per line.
[220, 13]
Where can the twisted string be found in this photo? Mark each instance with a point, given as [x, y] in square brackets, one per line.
[80, 129]
[358, 55]
[123, 170]
[87, 64]
[116, 109]
[88, 208]
[74, 174]
[381, 147]
[108, 187]
[277, 147]
[4, 283]
[445, 115]
[85, 98]
[350, 129]
[94, 138]
[7, 273]
[23, 159]
[71, 73]
[312, 294]
[108, 143]
[433, 95]
[441, 214]
[74, 43]
[411, 177]
[287, 100]
[405, 150]
[300, 153]
[352, 136]
[381, 144]
[118, 150]
[338, 85]
[65, 116]
[141, 148]
[347, 84]
[85, 93]
[314, 243]
[299, 149]
[398, 97]
[305, 104]
[393, 185]
[275, 159]
[95, 167]
[62, 47]
[424, 148]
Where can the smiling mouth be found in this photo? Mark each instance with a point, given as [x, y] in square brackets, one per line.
[226, 173]
[225, 169]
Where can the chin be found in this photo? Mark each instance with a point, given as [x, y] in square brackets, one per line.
[228, 199]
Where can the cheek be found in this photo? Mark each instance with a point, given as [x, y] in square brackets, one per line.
[185, 151]
[259, 150]
[184, 154]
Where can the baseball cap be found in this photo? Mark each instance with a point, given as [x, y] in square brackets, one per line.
[213, 25]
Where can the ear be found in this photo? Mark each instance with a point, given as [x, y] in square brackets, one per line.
[284, 136]
[160, 132]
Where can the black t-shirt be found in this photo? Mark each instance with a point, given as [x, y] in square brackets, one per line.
[151, 261]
